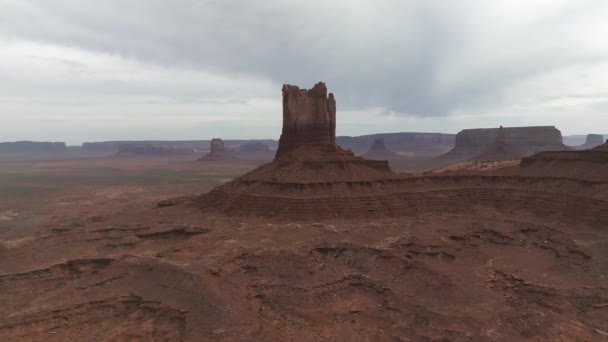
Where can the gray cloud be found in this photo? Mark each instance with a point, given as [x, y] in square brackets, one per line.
[421, 58]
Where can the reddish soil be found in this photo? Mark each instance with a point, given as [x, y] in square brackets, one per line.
[461, 258]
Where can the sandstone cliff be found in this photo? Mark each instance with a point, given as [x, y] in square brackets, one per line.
[309, 116]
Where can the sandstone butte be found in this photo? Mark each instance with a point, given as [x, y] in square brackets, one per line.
[217, 151]
[470, 257]
[313, 178]
[379, 151]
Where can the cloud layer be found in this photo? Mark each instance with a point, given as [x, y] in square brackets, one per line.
[426, 63]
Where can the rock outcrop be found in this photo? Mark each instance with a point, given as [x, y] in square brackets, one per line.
[589, 164]
[378, 151]
[523, 141]
[309, 116]
[309, 170]
[152, 150]
[217, 151]
[593, 140]
[603, 147]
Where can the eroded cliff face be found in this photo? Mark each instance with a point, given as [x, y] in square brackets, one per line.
[309, 116]
[523, 141]
[152, 150]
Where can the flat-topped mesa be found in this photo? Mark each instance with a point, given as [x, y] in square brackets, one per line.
[593, 140]
[309, 116]
[523, 141]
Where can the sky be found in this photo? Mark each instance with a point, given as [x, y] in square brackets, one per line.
[75, 71]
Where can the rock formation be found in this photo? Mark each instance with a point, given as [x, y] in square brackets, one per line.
[524, 141]
[589, 164]
[309, 116]
[309, 170]
[152, 150]
[378, 151]
[593, 140]
[32, 146]
[500, 150]
[217, 151]
[412, 144]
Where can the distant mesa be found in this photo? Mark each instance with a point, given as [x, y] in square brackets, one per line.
[593, 140]
[504, 143]
[378, 151]
[426, 145]
[217, 151]
[502, 149]
[32, 146]
[152, 150]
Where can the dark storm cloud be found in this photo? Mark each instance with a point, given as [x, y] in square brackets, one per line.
[423, 58]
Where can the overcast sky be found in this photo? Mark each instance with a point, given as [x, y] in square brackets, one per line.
[75, 70]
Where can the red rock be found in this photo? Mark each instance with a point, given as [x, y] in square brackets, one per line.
[524, 141]
[217, 151]
[593, 140]
[378, 151]
[152, 150]
[309, 116]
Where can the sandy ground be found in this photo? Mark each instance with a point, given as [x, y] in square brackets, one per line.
[91, 257]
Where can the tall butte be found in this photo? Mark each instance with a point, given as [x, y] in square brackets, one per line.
[309, 116]
[310, 174]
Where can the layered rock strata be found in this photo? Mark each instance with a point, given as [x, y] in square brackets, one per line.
[309, 116]
[524, 141]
